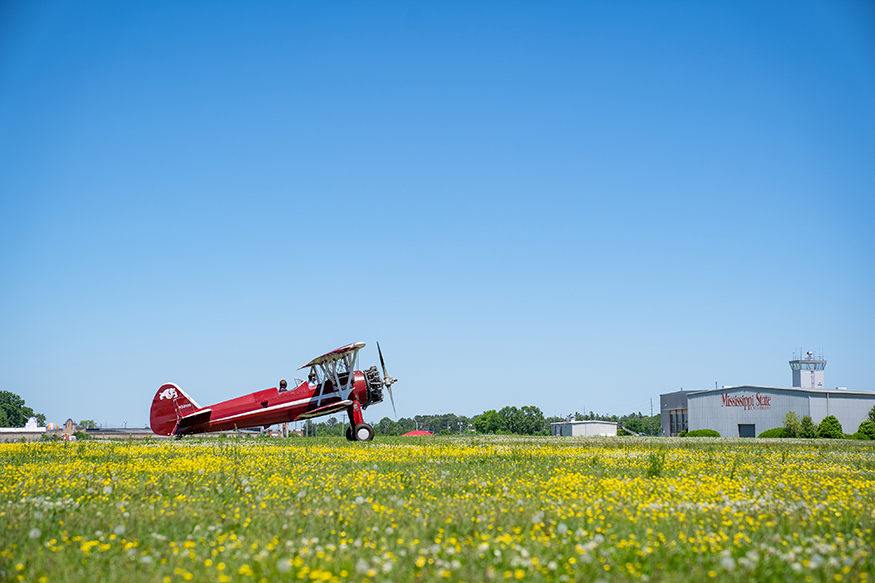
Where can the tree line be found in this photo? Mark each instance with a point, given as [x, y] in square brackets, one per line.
[527, 420]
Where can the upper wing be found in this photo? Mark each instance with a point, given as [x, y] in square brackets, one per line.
[335, 354]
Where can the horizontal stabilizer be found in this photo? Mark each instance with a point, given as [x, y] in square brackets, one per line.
[201, 417]
[327, 409]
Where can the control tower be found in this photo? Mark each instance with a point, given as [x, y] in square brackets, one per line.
[808, 371]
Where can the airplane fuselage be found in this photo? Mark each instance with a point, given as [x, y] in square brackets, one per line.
[270, 406]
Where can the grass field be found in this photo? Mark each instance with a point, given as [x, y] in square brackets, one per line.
[434, 509]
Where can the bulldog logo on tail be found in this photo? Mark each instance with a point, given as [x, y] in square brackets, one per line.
[168, 393]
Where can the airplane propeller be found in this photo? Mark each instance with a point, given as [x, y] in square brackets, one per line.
[387, 380]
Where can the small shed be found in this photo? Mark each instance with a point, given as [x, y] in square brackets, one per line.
[591, 428]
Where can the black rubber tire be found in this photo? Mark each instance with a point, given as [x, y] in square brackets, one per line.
[364, 432]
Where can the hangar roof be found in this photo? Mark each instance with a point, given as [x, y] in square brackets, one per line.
[801, 389]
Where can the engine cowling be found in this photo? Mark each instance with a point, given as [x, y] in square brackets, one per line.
[375, 386]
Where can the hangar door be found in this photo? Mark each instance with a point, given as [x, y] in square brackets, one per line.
[747, 430]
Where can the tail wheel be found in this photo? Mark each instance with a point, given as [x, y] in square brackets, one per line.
[349, 434]
[364, 432]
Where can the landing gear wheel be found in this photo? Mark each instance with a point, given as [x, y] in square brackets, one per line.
[364, 432]
[349, 435]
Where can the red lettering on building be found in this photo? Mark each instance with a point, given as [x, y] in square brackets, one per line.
[757, 402]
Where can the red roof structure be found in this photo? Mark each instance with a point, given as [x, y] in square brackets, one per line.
[417, 434]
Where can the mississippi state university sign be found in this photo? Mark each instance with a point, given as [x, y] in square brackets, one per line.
[748, 402]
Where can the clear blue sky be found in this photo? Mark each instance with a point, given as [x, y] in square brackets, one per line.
[572, 205]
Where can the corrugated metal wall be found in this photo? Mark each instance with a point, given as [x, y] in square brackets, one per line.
[765, 408]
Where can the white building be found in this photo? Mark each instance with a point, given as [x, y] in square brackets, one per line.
[30, 432]
[584, 428]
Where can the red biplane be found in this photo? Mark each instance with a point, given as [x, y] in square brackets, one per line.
[333, 385]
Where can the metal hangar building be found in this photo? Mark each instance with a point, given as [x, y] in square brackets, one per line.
[748, 410]
[584, 428]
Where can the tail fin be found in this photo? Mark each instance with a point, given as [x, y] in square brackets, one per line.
[170, 403]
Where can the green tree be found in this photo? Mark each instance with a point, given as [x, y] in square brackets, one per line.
[807, 428]
[488, 422]
[643, 424]
[444, 421]
[510, 419]
[867, 428]
[872, 414]
[386, 427]
[792, 427]
[531, 421]
[830, 428]
[528, 420]
[87, 424]
[16, 413]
